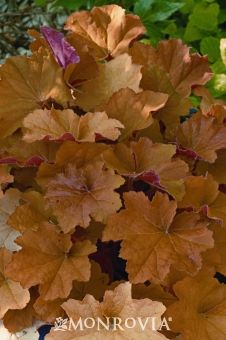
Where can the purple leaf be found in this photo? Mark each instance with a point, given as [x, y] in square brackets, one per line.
[64, 53]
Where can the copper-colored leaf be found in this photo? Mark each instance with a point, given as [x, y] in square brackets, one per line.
[116, 74]
[13, 296]
[16, 320]
[96, 286]
[217, 169]
[133, 110]
[157, 80]
[65, 124]
[207, 196]
[200, 312]
[150, 162]
[78, 194]
[13, 150]
[153, 292]
[48, 311]
[112, 151]
[86, 69]
[203, 136]
[26, 84]
[106, 30]
[173, 56]
[169, 68]
[98, 282]
[73, 153]
[154, 237]
[215, 258]
[208, 102]
[49, 259]
[30, 214]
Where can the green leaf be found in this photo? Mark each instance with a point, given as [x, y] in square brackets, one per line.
[154, 33]
[171, 29]
[223, 50]
[218, 67]
[220, 83]
[188, 6]
[156, 10]
[70, 4]
[195, 101]
[222, 16]
[205, 16]
[192, 33]
[210, 46]
[40, 2]
[141, 7]
[162, 10]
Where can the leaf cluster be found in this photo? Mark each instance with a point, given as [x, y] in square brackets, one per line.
[113, 187]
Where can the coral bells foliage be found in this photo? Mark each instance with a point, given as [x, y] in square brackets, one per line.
[113, 195]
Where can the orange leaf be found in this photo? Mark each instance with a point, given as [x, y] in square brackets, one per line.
[78, 194]
[116, 74]
[157, 80]
[26, 84]
[98, 282]
[59, 125]
[106, 30]
[215, 258]
[150, 162]
[184, 69]
[73, 153]
[169, 68]
[153, 241]
[133, 110]
[16, 320]
[153, 292]
[203, 136]
[30, 214]
[13, 150]
[49, 259]
[48, 311]
[96, 286]
[216, 169]
[208, 102]
[206, 196]
[13, 296]
[86, 69]
[200, 312]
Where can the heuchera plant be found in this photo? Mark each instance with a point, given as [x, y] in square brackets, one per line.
[113, 189]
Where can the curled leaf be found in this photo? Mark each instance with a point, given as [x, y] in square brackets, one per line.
[63, 125]
[64, 53]
[106, 30]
